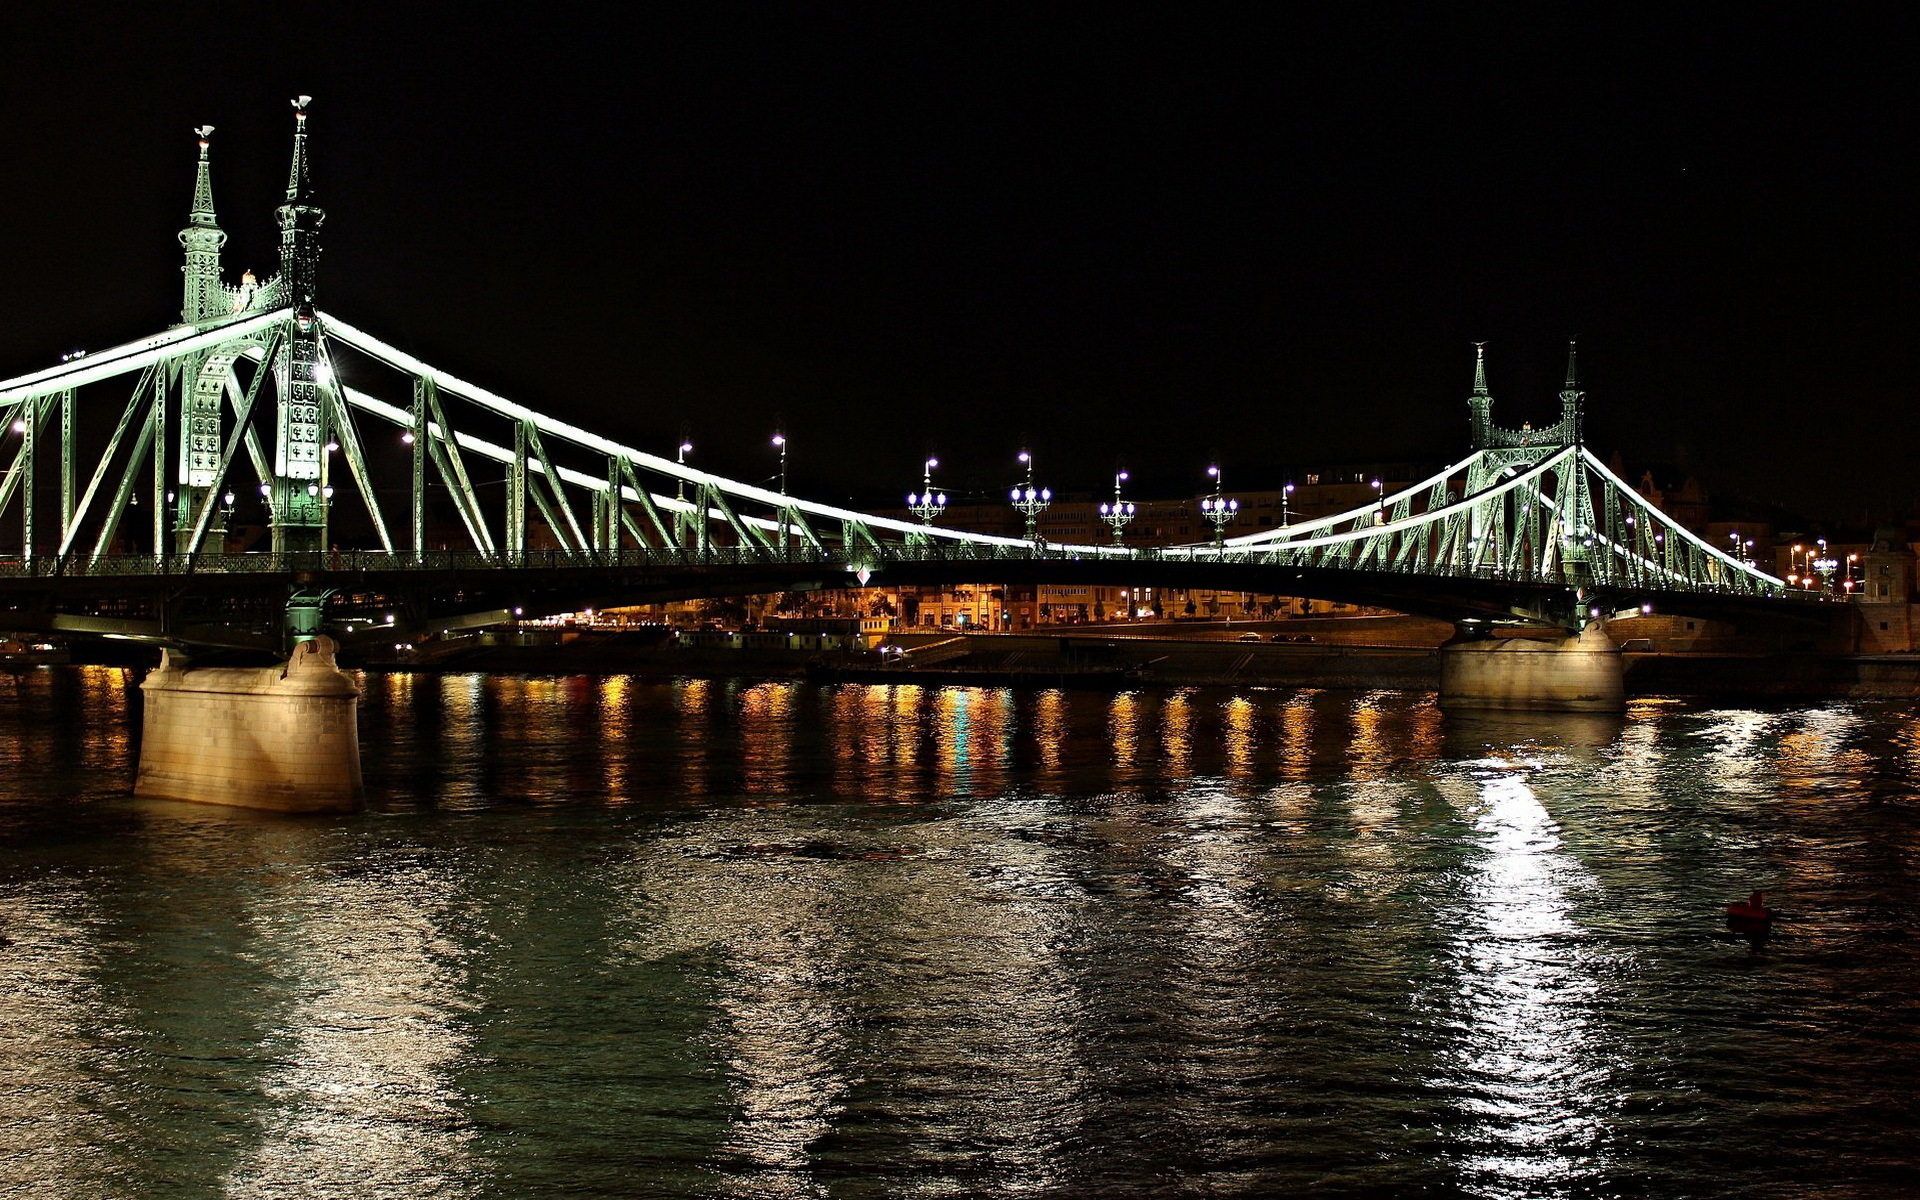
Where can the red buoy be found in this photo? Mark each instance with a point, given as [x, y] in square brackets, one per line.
[1751, 917]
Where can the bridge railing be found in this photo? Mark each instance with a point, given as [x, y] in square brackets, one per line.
[799, 554]
[362, 561]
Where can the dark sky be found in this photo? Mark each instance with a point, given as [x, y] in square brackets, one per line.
[1117, 232]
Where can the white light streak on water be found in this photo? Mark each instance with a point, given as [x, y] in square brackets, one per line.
[363, 1099]
[54, 1138]
[1531, 1069]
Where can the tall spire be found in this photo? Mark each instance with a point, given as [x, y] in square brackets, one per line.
[201, 239]
[300, 219]
[202, 214]
[1480, 404]
[299, 186]
[1571, 409]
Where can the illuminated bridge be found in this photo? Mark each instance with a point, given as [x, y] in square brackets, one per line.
[127, 465]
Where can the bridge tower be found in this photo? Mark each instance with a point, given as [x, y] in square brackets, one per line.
[1480, 404]
[202, 298]
[1572, 406]
[204, 302]
[300, 492]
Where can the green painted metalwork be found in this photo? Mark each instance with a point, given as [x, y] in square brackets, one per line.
[202, 298]
[1526, 505]
[416, 437]
[306, 614]
[29, 429]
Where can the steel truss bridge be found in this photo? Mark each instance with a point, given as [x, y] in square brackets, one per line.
[128, 465]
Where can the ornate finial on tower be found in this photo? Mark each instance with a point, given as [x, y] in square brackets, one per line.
[298, 186]
[201, 298]
[203, 185]
[1571, 409]
[1480, 404]
[300, 219]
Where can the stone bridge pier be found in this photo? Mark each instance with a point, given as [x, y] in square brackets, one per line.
[282, 738]
[1576, 673]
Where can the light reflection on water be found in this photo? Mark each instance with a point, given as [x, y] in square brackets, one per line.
[767, 939]
[1534, 1088]
[56, 1046]
[361, 1097]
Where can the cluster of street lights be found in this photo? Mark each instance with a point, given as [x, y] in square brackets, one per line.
[1030, 503]
[927, 504]
[1119, 512]
[1217, 509]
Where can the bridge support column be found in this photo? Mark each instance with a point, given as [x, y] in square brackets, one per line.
[280, 738]
[1569, 674]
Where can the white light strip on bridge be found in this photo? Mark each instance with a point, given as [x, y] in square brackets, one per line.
[1532, 475]
[132, 356]
[501, 454]
[1288, 533]
[1686, 534]
[402, 361]
[1624, 553]
[1411, 522]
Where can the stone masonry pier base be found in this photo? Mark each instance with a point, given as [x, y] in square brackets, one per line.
[1572, 674]
[281, 738]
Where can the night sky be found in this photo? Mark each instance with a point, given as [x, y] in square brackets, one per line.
[1106, 232]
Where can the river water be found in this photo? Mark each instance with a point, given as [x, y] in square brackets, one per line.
[728, 938]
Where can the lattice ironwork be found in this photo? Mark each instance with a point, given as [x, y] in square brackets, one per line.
[308, 412]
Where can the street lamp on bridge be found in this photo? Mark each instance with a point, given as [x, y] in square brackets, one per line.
[680, 485]
[1030, 503]
[1118, 513]
[1742, 548]
[780, 444]
[927, 504]
[1825, 565]
[1220, 511]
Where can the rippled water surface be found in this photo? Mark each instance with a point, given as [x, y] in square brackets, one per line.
[612, 937]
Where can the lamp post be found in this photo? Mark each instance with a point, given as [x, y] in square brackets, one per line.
[1379, 503]
[324, 494]
[1825, 565]
[1286, 506]
[1118, 513]
[1218, 510]
[927, 503]
[1029, 502]
[780, 444]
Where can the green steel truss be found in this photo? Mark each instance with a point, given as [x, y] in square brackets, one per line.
[1563, 518]
[517, 484]
[260, 399]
